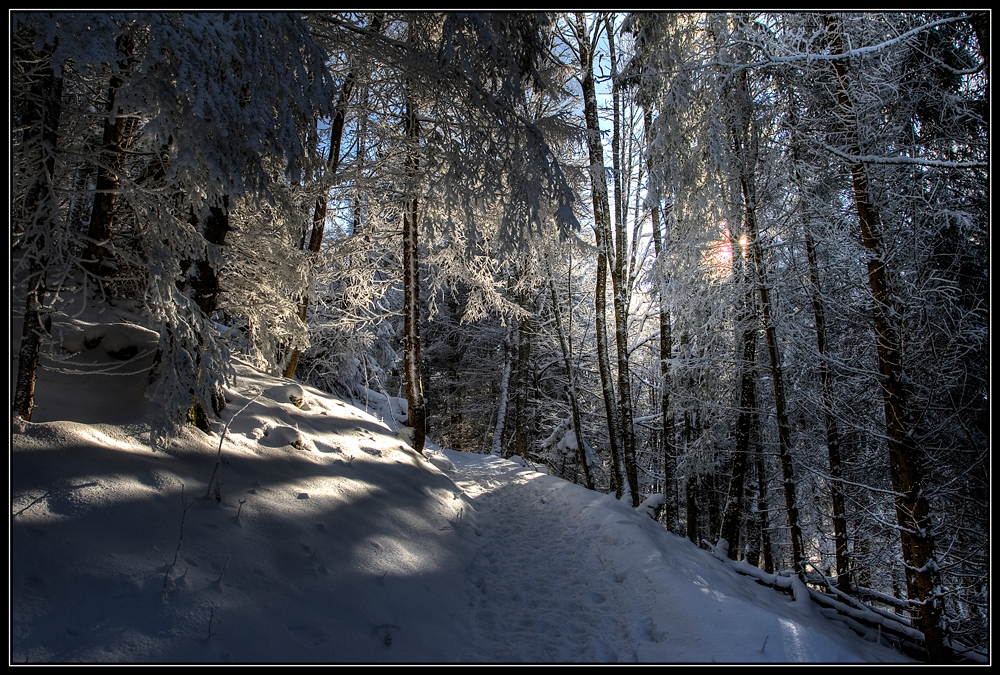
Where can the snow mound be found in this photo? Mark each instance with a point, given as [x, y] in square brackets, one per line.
[651, 505]
[280, 436]
[122, 341]
[288, 393]
[434, 455]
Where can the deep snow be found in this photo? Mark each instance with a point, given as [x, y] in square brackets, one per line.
[336, 542]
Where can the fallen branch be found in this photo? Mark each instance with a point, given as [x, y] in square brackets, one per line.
[864, 620]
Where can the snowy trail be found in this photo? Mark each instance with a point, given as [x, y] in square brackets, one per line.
[562, 574]
[545, 594]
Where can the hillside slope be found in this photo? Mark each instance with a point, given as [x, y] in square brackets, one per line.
[336, 542]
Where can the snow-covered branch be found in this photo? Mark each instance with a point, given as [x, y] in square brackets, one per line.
[877, 159]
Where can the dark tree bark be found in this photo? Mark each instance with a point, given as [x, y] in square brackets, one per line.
[118, 132]
[906, 458]
[205, 288]
[42, 108]
[416, 416]
[752, 544]
[733, 510]
[329, 176]
[825, 377]
[669, 515]
[205, 282]
[691, 508]
[981, 24]
[762, 513]
[744, 140]
[564, 345]
[319, 209]
[710, 494]
[521, 384]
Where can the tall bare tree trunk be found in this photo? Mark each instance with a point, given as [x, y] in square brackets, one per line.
[521, 384]
[743, 133]
[416, 417]
[566, 348]
[329, 177]
[117, 136]
[618, 279]
[906, 458]
[204, 281]
[669, 515]
[44, 106]
[691, 508]
[762, 514]
[602, 232]
[497, 447]
[826, 383]
[825, 377]
[981, 24]
[748, 401]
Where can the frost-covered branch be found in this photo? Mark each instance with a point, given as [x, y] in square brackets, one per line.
[876, 159]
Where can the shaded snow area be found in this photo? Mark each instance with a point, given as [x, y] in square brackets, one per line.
[563, 574]
[335, 542]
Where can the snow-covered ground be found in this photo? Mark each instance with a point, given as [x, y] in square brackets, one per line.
[335, 542]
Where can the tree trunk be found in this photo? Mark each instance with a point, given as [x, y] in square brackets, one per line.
[691, 508]
[521, 386]
[574, 406]
[826, 380]
[762, 514]
[734, 501]
[496, 448]
[906, 458]
[205, 293]
[832, 433]
[743, 136]
[329, 177]
[981, 24]
[205, 281]
[618, 281]
[777, 380]
[44, 106]
[112, 160]
[709, 485]
[753, 526]
[416, 417]
[602, 231]
[669, 514]
[319, 209]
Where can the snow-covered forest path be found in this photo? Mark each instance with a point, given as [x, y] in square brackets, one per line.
[563, 574]
[545, 593]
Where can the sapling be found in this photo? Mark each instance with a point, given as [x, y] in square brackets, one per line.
[184, 509]
[215, 482]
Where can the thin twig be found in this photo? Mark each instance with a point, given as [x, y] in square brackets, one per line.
[219, 580]
[184, 509]
[15, 515]
[216, 478]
